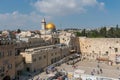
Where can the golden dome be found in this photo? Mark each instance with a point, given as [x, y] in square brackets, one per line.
[50, 26]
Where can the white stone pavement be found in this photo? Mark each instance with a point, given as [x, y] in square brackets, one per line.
[108, 71]
[87, 66]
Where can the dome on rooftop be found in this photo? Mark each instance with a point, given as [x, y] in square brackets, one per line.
[50, 26]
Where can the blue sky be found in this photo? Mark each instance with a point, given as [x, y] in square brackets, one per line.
[27, 14]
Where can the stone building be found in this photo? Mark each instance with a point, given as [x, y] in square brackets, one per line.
[69, 39]
[19, 65]
[7, 59]
[40, 57]
[105, 49]
[49, 32]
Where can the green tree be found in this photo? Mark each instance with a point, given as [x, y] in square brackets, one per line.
[18, 31]
[78, 33]
[103, 32]
[93, 34]
[117, 31]
[111, 32]
[83, 33]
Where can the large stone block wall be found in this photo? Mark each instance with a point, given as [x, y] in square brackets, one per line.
[93, 48]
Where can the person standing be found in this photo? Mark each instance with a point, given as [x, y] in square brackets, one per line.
[101, 71]
[98, 66]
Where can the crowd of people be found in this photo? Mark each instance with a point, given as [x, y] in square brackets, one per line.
[97, 70]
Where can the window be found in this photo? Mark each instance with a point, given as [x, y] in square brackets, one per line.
[9, 53]
[1, 54]
[44, 56]
[55, 53]
[51, 54]
[34, 59]
[9, 66]
[40, 58]
[54, 47]
[2, 69]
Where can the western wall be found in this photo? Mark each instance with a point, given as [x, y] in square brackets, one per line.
[105, 49]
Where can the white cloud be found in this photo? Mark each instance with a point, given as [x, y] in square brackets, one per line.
[16, 20]
[101, 6]
[32, 20]
[64, 7]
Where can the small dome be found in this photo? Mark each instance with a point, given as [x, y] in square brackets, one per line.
[50, 26]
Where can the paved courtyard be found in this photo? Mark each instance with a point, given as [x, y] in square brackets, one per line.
[88, 66]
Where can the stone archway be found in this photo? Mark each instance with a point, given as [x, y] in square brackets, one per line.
[6, 78]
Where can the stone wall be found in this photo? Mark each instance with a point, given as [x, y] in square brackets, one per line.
[96, 48]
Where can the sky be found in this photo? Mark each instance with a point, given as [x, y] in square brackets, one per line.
[27, 14]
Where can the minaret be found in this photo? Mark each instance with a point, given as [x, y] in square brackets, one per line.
[43, 24]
